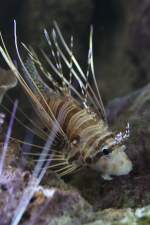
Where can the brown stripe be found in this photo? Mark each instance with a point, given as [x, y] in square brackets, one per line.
[111, 135]
[89, 122]
[69, 115]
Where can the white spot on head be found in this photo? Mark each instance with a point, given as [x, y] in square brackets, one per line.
[74, 142]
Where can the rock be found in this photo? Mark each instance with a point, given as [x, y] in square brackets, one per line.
[122, 53]
[134, 109]
[133, 190]
[54, 206]
[139, 39]
[11, 185]
[46, 206]
[59, 204]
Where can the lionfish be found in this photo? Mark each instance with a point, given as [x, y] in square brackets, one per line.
[81, 135]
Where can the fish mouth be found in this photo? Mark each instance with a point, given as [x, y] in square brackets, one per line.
[122, 171]
[107, 177]
[110, 177]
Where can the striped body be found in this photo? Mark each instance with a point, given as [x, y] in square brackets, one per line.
[85, 131]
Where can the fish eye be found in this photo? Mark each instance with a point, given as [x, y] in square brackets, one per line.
[106, 151]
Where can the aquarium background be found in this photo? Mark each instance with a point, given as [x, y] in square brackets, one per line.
[121, 35]
[122, 66]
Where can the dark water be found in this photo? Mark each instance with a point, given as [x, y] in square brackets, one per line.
[115, 57]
